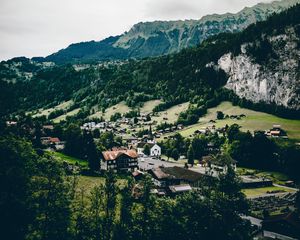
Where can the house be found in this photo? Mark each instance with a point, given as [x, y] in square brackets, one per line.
[48, 127]
[172, 176]
[138, 175]
[11, 123]
[53, 142]
[177, 189]
[155, 150]
[119, 160]
[276, 131]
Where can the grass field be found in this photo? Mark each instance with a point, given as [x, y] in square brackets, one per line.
[64, 116]
[72, 160]
[171, 114]
[149, 105]
[255, 192]
[46, 112]
[120, 107]
[254, 120]
[123, 108]
[88, 183]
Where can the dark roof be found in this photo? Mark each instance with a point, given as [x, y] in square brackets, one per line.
[176, 173]
[160, 174]
[142, 144]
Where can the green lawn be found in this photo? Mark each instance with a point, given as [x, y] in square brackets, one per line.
[255, 192]
[254, 120]
[171, 113]
[64, 116]
[46, 112]
[120, 108]
[149, 105]
[72, 160]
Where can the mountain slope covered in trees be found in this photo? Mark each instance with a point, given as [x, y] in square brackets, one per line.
[194, 75]
[165, 37]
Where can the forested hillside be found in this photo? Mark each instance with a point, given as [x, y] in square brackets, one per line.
[191, 75]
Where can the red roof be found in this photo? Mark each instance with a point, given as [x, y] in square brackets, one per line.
[54, 140]
[112, 155]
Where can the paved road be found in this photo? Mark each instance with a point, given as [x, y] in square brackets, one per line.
[146, 163]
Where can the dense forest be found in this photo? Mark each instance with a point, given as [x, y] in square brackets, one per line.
[175, 78]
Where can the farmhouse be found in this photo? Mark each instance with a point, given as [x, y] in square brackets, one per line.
[53, 142]
[170, 176]
[155, 150]
[276, 131]
[119, 160]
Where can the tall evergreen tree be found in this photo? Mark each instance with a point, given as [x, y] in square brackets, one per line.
[91, 152]
[191, 155]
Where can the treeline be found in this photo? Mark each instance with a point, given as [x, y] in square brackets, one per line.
[192, 148]
[261, 152]
[38, 201]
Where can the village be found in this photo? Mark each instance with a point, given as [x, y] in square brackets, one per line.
[140, 154]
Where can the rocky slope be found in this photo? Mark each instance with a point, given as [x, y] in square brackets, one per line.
[164, 37]
[275, 79]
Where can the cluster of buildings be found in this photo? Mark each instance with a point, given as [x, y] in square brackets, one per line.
[276, 131]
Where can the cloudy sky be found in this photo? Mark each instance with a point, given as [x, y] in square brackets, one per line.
[41, 27]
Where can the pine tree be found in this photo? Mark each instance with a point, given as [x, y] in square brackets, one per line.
[91, 152]
[146, 149]
[191, 155]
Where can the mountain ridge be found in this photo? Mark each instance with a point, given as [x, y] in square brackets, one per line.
[149, 39]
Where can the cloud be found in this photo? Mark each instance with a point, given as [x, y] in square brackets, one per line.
[41, 27]
[178, 9]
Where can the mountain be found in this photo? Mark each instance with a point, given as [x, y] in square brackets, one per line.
[164, 37]
[270, 78]
[257, 68]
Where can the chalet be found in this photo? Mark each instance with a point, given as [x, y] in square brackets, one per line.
[53, 142]
[155, 150]
[119, 160]
[172, 176]
[276, 131]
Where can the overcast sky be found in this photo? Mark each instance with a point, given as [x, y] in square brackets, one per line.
[41, 27]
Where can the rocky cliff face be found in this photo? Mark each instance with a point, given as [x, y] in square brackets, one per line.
[164, 37]
[276, 79]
